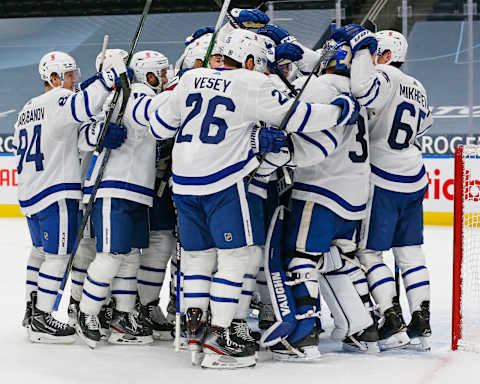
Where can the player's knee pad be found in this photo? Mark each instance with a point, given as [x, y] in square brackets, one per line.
[416, 279]
[161, 247]
[104, 267]
[369, 258]
[233, 263]
[349, 313]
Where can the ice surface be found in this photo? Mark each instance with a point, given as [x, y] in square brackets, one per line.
[23, 362]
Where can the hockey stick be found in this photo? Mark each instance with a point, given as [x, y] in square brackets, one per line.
[104, 49]
[221, 16]
[177, 291]
[125, 86]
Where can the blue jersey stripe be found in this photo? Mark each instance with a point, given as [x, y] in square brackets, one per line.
[49, 277]
[397, 178]
[150, 283]
[145, 111]
[30, 282]
[305, 119]
[30, 268]
[197, 277]
[72, 107]
[164, 123]
[360, 281]
[372, 99]
[154, 134]
[314, 142]
[121, 185]
[214, 177]
[98, 283]
[47, 291]
[417, 285]
[93, 297]
[123, 292]
[48, 191]
[375, 267]
[331, 137]
[87, 107]
[134, 113]
[329, 194]
[382, 281]
[79, 270]
[151, 269]
[292, 113]
[375, 82]
[76, 282]
[196, 294]
[223, 299]
[247, 293]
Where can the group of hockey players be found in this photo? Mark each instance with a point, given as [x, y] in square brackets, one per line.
[295, 214]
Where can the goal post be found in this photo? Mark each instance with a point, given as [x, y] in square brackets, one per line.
[466, 250]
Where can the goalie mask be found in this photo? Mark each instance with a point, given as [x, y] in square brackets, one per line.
[108, 54]
[57, 63]
[145, 62]
[241, 44]
[394, 42]
[341, 60]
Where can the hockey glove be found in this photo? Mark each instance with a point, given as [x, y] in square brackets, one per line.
[198, 33]
[350, 109]
[249, 18]
[278, 34]
[273, 161]
[288, 52]
[357, 37]
[114, 137]
[266, 139]
[111, 80]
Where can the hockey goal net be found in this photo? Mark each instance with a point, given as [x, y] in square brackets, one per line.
[466, 249]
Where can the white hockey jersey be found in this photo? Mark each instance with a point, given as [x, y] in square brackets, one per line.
[398, 107]
[46, 141]
[130, 171]
[215, 109]
[332, 165]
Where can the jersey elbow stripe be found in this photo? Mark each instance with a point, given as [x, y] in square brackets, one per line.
[375, 83]
[147, 104]
[134, 112]
[397, 178]
[154, 133]
[169, 127]
[372, 99]
[292, 113]
[314, 142]
[72, 107]
[329, 194]
[305, 119]
[331, 137]
[87, 108]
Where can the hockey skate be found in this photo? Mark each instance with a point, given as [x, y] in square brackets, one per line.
[44, 328]
[125, 329]
[305, 349]
[151, 315]
[88, 328]
[364, 341]
[72, 311]
[105, 318]
[392, 332]
[419, 328]
[27, 319]
[221, 352]
[195, 330]
[241, 333]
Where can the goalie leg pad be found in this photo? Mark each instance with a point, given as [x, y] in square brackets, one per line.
[380, 278]
[411, 261]
[249, 282]
[281, 294]
[226, 286]
[153, 264]
[97, 284]
[50, 276]
[35, 260]
[198, 268]
[349, 314]
[124, 284]
[85, 255]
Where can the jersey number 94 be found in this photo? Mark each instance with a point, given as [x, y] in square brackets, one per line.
[30, 150]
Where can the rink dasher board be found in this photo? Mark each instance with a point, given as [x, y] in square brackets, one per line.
[438, 203]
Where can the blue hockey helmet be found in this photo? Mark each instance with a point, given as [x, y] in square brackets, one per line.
[341, 60]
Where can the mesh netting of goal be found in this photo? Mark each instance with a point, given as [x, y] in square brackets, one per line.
[466, 271]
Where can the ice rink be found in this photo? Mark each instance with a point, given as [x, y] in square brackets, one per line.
[23, 362]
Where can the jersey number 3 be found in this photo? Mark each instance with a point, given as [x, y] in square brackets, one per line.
[195, 100]
[33, 153]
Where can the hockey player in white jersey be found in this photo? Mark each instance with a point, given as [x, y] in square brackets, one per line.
[399, 109]
[212, 155]
[329, 196]
[120, 221]
[150, 68]
[49, 179]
